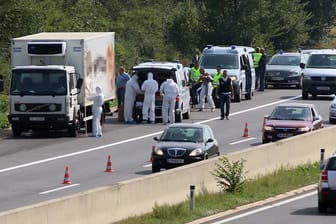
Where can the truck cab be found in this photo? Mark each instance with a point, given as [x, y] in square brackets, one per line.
[238, 61]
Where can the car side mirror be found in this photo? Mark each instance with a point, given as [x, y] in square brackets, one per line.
[302, 65]
[156, 138]
[79, 83]
[210, 140]
[316, 118]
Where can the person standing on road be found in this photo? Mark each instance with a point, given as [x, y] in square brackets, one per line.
[194, 84]
[150, 87]
[256, 59]
[132, 89]
[206, 91]
[122, 79]
[262, 68]
[216, 78]
[98, 101]
[170, 91]
[224, 93]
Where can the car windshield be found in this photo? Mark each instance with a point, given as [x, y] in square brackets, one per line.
[227, 61]
[182, 134]
[322, 61]
[291, 113]
[285, 60]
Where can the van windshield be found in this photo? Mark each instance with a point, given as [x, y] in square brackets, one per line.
[227, 61]
[322, 61]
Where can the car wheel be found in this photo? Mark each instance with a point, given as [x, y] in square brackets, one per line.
[322, 208]
[304, 95]
[331, 121]
[178, 117]
[264, 141]
[187, 114]
[155, 168]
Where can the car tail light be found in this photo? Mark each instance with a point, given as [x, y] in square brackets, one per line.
[324, 176]
[177, 99]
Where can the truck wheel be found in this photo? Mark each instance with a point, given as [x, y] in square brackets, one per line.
[73, 129]
[16, 131]
[178, 116]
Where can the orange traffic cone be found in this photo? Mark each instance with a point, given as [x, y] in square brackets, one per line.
[109, 164]
[246, 135]
[66, 176]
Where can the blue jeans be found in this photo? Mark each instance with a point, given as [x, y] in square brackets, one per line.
[224, 100]
[120, 96]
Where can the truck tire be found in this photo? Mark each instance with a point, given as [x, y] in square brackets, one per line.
[16, 131]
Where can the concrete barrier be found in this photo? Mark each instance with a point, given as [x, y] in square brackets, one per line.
[139, 196]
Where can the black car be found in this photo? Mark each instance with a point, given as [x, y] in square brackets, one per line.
[182, 144]
[327, 185]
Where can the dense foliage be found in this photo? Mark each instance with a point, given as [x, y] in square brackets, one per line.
[167, 30]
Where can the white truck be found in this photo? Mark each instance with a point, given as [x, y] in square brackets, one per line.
[52, 75]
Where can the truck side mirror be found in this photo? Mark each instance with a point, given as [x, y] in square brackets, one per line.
[79, 83]
[1, 83]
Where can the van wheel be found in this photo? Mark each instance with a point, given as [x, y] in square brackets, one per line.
[187, 114]
[237, 96]
[178, 116]
[304, 95]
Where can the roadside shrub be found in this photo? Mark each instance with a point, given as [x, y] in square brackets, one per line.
[229, 175]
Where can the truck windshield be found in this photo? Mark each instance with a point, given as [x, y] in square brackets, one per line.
[322, 61]
[227, 61]
[38, 82]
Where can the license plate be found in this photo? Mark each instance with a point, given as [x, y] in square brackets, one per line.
[285, 135]
[277, 78]
[323, 88]
[175, 161]
[36, 118]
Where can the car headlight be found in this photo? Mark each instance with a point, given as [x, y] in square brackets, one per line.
[158, 151]
[233, 77]
[293, 73]
[303, 129]
[268, 128]
[196, 152]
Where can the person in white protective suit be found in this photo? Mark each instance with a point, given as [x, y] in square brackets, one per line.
[98, 101]
[132, 89]
[170, 91]
[150, 87]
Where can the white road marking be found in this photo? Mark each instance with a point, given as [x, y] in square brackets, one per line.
[59, 189]
[132, 139]
[264, 208]
[244, 140]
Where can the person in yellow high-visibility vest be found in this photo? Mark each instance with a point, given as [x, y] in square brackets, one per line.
[215, 82]
[195, 74]
[256, 59]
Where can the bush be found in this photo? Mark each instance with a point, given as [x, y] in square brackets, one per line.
[3, 112]
[229, 175]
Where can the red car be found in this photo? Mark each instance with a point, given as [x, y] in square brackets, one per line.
[289, 119]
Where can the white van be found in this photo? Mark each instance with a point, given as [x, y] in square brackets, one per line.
[238, 61]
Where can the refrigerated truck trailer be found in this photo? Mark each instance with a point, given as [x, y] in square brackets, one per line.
[52, 76]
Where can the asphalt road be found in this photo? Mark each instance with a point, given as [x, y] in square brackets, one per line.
[297, 209]
[32, 167]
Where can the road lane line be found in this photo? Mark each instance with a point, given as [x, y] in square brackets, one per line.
[132, 139]
[254, 211]
[59, 189]
[244, 140]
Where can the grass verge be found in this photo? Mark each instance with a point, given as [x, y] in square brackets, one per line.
[206, 204]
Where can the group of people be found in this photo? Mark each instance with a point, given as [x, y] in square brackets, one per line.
[220, 86]
[259, 64]
[130, 88]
